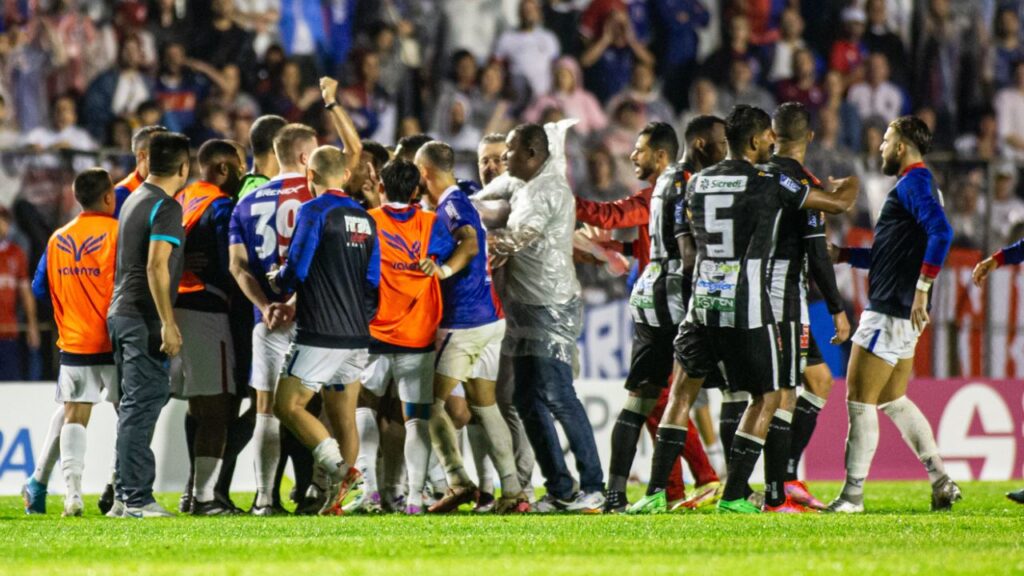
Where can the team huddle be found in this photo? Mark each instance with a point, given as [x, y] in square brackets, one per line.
[381, 309]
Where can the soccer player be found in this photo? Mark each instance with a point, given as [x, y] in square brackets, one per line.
[799, 248]
[472, 328]
[337, 291]
[77, 270]
[405, 327]
[733, 209]
[657, 303]
[1012, 254]
[912, 239]
[150, 260]
[140, 147]
[544, 313]
[264, 161]
[203, 373]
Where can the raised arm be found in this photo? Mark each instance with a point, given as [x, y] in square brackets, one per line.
[341, 121]
[843, 197]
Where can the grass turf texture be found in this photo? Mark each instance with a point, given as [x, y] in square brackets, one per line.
[898, 536]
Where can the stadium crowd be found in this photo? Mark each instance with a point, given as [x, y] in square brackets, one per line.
[591, 98]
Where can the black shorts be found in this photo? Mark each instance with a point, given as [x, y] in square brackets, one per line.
[748, 357]
[794, 336]
[814, 357]
[651, 364]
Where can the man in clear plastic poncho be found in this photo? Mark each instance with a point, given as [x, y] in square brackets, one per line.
[544, 314]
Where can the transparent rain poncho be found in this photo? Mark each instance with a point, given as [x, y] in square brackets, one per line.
[543, 308]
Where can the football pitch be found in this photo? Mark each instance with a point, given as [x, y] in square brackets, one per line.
[898, 536]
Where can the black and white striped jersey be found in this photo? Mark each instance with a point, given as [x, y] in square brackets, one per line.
[735, 211]
[657, 297]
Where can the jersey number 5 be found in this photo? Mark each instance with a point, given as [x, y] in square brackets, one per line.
[715, 225]
[275, 237]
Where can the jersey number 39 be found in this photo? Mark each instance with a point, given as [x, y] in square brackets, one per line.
[276, 237]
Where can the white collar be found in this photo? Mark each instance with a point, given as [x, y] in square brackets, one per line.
[285, 175]
[448, 192]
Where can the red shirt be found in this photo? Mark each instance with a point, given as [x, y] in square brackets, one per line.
[626, 213]
[845, 57]
[13, 276]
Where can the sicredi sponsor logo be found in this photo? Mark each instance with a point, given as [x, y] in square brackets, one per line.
[720, 184]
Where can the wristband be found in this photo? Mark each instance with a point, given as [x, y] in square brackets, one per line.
[330, 105]
[923, 286]
[446, 271]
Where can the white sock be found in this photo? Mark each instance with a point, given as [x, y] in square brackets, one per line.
[446, 443]
[917, 433]
[207, 472]
[861, 443]
[438, 479]
[72, 457]
[499, 440]
[481, 448]
[369, 445]
[266, 455]
[328, 456]
[51, 448]
[417, 457]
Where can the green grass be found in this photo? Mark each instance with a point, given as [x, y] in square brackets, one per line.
[898, 536]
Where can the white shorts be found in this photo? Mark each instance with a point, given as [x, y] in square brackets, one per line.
[465, 353]
[88, 384]
[268, 351]
[318, 367]
[412, 373]
[459, 391]
[891, 339]
[205, 364]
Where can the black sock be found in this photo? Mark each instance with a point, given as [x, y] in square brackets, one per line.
[805, 419]
[667, 449]
[776, 454]
[745, 453]
[728, 422]
[191, 426]
[625, 436]
[239, 433]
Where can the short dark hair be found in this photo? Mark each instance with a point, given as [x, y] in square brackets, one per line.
[263, 131]
[742, 124]
[379, 155]
[213, 151]
[91, 185]
[533, 136]
[700, 127]
[167, 152]
[142, 136]
[791, 121]
[408, 146]
[662, 136]
[913, 130]
[439, 154]
[400, 178]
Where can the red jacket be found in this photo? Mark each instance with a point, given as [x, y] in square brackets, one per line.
[632, 211]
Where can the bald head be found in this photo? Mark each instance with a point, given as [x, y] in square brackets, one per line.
[327, 169]
[436, 161]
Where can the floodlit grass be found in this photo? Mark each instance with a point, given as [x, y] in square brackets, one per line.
[898, 536]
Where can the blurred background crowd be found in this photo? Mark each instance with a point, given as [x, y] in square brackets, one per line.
[78, 76]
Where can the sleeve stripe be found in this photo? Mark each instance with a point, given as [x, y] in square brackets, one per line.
[814, 236]
[1000, 258]
[165, 238]
[930, 270]
[152, 213]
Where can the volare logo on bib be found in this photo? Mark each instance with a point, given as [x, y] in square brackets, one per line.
[719, 184]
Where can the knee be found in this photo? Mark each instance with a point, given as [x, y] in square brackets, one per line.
[282, 410]
[459, 413]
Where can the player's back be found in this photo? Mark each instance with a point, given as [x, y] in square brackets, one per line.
[264, 222]
[734, 211]
[80, 263]
[469, 295]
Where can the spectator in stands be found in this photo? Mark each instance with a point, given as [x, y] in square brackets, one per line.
[368, 104]
[875, 185]
[938, 58]
[298, 25]
[881, 37]
[65, 133]
[848, 53]
[564, 19]
[742, 89]
[967, 216]
[79, 38]
[34, 51]
[705, 100]
[983, 143]
[829, 156]
[678, 23]
[1007, 49]
[9, 136]
[167, 23]
[179, 88]
[227, 89]
[1007, 207]
[396, 77]
[876, 95]
[149, 113]
[14, 289]
[129, 21]
[462, 81]
[602, 181]
[529, 51]
[593, 17]
[220, 40]
[291, 99]
[791, 42]
[264, 19]
[643, 89]
[1009, 104]
[803, 86]
[491, 104]
[627, 120]
[718, 66]
[610, 58]
[454, 124]
[119, 134]
[119, 90]
[474, 26]
[570, 97]
[849, 119]
[212, 123]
